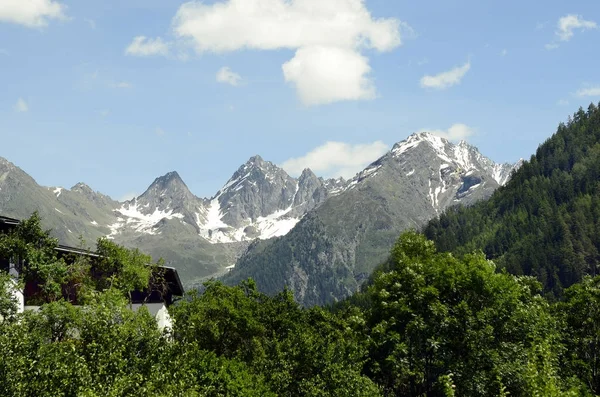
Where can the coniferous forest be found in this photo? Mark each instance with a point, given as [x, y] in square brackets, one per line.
[546, 221]
[498, 299]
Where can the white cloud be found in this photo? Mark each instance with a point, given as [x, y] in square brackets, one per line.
[562, 102]
[323, 33]
[568, 23]
[227, 76]
[566, 26]
[588, 91]
[21, 106]
[31, 13]
[143, 46]
[504, 52]
[456, 132]
[446, 79]
[334, 159]
[324, 75]
[121, 84]
[273, 24]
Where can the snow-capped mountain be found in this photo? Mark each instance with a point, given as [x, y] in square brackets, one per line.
[260, 200]
[454, 172]
[332, 250]
[203, 236]
[167, 198]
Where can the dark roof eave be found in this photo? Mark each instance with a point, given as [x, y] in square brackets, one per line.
[175, 282]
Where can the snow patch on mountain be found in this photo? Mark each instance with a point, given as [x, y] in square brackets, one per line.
[133, 218]
[258, 202]
[213, 229]
[276, 224]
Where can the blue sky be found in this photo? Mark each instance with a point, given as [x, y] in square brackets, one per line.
[116, 93]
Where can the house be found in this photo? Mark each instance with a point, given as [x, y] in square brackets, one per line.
[157, 297]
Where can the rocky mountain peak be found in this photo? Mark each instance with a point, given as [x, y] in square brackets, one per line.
[256, 160]
[438, 143]
[6, 166]
[168, 190]
[170, 180]
[307, 174]
[311, 192]
[82, 188]
[452, 172]
[257, 189]
[168, 197]
[335, 185]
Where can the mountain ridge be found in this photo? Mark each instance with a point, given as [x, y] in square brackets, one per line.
[204, 236]
[333, 249]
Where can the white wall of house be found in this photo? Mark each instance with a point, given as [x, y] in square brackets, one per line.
[159, 312]
[16, 292]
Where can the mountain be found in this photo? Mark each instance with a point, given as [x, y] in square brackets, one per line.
[200, 236]
[339, 228]
[546, 221]
[261, 201]
[70, 213]
[333, 249]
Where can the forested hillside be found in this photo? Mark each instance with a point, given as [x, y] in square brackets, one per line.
[546, 221]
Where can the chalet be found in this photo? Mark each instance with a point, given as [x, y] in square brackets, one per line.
[157, 297]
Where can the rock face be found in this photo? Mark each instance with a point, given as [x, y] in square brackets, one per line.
[335, 247]
[201, 236]
[335, 230]
[257, 189]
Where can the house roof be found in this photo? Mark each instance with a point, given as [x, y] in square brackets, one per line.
[5, 219]
[170, 273]
[172, 278]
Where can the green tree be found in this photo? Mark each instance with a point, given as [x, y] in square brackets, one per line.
[440, 323]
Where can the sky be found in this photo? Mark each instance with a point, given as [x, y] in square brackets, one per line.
[115, 93]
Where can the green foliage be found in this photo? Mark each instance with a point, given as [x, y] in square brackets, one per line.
[580, 313]
[35, 254]
[106, 349]
[441, 325]
[121, 268]
[428, 324]
[33, 251]
[299, 351]
[546, 221]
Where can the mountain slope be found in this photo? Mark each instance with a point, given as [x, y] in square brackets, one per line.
[201, 237]
[70, 213]
[261, 201]
[335, 247]
[546, 221]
